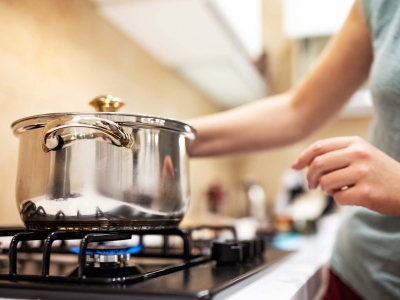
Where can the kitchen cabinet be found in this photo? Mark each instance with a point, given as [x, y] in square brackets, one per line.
[313, 18]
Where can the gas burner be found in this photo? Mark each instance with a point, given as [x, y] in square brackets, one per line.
[98, 260]
[101, 263]
[113, 250]
[107, 255]
[107, 261]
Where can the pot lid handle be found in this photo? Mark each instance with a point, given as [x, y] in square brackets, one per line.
[107, 103]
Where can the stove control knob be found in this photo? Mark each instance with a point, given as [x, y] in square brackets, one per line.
[259, 248]
[227, 253]
[248, 249]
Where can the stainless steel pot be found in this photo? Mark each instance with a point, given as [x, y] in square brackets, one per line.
[102, 171]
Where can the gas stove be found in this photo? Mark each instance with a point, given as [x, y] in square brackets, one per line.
[202, 262]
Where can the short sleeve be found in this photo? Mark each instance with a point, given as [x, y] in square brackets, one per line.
[366, 8]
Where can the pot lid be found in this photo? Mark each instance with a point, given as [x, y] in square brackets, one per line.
[106, 107]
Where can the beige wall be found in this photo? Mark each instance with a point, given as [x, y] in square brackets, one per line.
[277, 46]
[56, 55]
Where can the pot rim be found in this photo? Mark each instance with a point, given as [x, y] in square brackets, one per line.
[139, 120]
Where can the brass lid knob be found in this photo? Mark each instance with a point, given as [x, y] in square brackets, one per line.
[107, 103]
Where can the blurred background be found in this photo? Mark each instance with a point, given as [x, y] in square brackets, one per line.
[178, 59]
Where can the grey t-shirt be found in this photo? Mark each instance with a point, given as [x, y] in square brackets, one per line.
[367, 250]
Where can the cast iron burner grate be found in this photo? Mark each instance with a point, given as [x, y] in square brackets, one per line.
[83, 273]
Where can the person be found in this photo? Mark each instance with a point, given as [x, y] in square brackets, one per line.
[365, 177]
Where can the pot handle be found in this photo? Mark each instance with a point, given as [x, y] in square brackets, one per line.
[104, 129]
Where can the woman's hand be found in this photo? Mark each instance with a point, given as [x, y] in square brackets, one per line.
[354, 173]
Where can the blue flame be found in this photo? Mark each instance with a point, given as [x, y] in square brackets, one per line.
[130, 250]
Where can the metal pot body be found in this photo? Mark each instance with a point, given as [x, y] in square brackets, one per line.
[102, 171]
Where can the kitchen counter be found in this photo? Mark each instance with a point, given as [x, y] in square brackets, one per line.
[300, 276]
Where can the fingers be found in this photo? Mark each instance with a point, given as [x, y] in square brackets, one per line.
[338, 181]
[326, 163]
[358, 194]
[319, 148]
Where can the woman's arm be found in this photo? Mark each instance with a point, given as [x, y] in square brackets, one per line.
[280, 120]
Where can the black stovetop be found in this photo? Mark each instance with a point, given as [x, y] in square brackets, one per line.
[182, 276]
